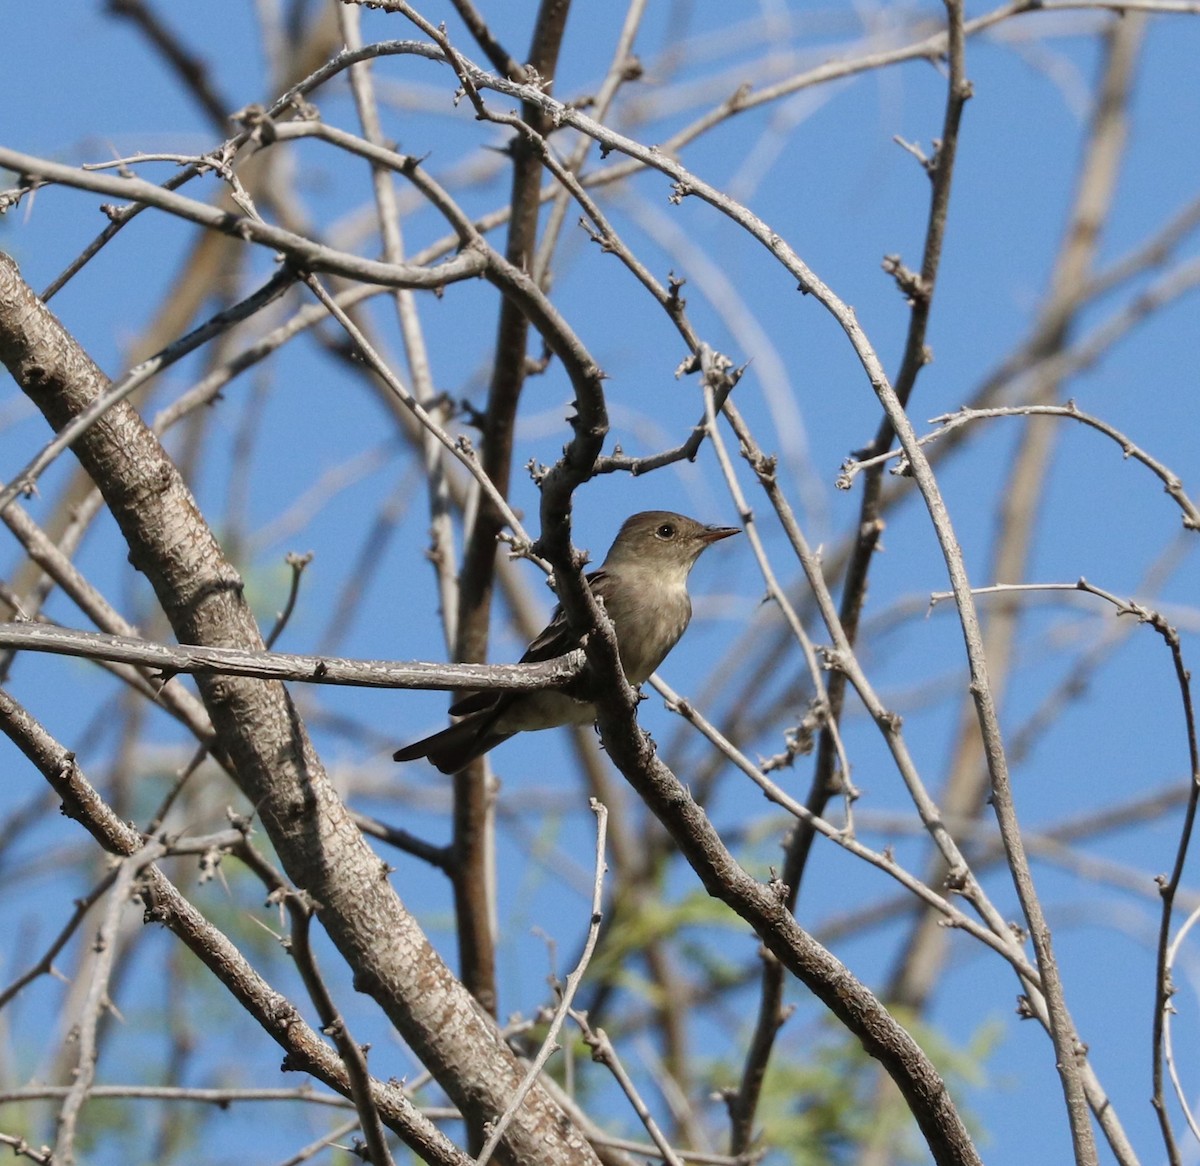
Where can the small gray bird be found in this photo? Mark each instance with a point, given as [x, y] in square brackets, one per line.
[643, 582]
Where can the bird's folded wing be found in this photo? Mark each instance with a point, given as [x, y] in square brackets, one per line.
[475, 702]
[555, 639]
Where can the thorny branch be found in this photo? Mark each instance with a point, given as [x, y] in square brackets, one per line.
[553, 134]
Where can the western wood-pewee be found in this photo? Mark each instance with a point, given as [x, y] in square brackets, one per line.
[643, 582]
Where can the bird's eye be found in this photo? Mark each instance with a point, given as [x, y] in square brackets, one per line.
[665, 531]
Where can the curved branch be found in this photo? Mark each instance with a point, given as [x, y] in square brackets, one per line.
[302, 252]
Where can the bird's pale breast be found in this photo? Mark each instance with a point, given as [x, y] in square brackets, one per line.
[649, 621]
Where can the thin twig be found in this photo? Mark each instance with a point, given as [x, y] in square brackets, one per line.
[45, 965]
[354, 1057]
[949, 422]
[1002, 943]
[26, 479]
[297, 563]
[322, 1143]
[442, 555]
[222, 1098]
[1168, 1011]
[460, 448]
[44, 1156]
[96, 998]
[604, 1054]
[563, 1008]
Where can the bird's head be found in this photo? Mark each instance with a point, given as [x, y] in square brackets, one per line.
[661, 539]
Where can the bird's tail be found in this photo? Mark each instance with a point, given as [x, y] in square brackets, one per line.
[456, 747]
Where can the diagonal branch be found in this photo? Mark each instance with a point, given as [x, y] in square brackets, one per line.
[305, 1050]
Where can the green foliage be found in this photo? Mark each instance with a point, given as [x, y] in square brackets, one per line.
[824, 1103]
[655, 920]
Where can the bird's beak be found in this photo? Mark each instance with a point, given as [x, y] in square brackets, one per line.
[713, 534]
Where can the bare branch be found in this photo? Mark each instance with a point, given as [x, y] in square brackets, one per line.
[288, 666]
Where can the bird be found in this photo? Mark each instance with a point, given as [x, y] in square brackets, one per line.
[643, 583]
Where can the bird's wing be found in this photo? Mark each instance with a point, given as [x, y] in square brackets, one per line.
[554, 640]
[476, 702]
